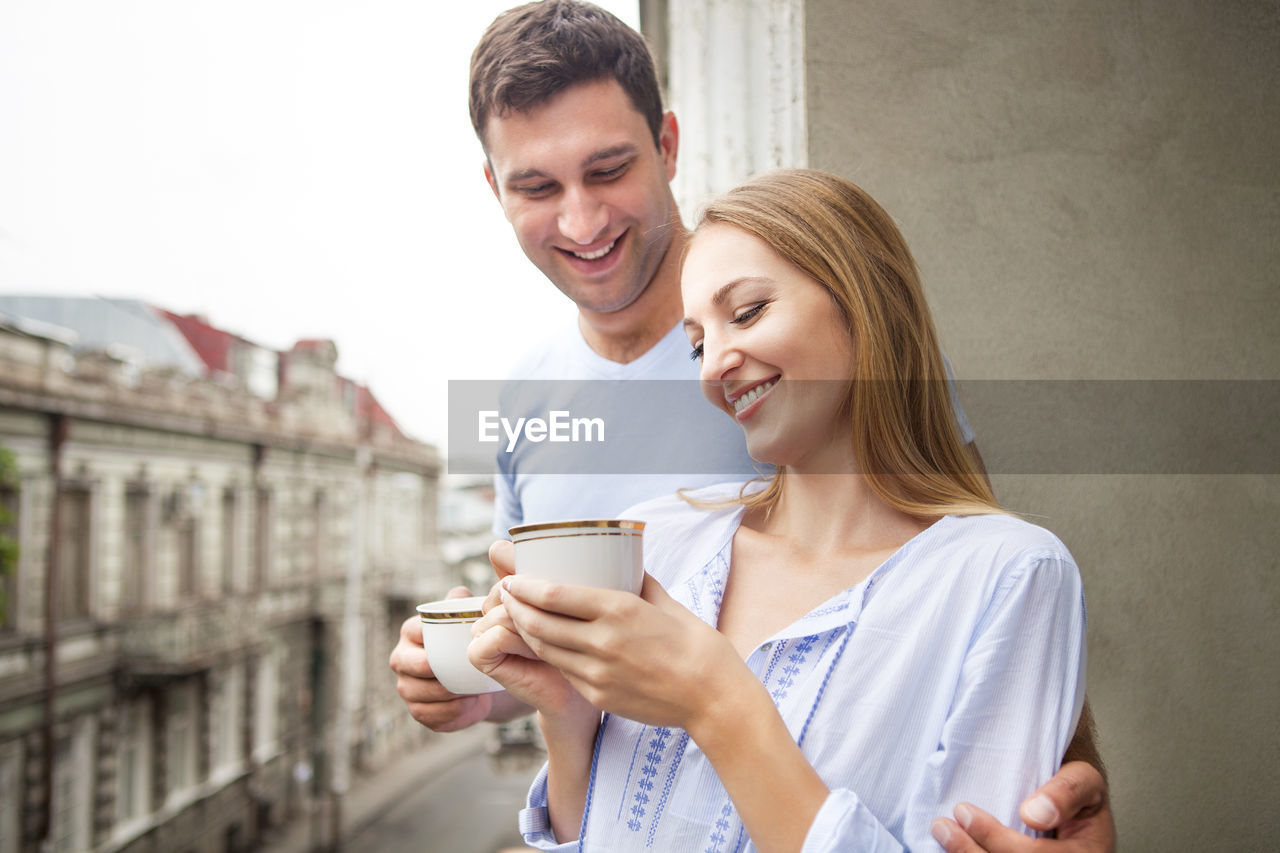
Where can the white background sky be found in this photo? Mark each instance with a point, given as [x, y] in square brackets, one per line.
[287, 168]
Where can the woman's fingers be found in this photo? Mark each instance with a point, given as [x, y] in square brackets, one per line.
[565, 617]
[493, 598]
[495, 615]
[577, 602]
[504, 656]
[490, 649]
[502, 556]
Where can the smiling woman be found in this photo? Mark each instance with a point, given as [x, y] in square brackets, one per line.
[770, 346]
[789, 624]
[854, 321]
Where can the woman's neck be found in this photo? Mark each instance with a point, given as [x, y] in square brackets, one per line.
[834, 514]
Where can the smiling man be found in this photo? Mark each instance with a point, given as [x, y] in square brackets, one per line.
[580, 154]
[587, 190]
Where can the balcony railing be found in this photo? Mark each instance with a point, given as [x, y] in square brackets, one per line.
[178, 642]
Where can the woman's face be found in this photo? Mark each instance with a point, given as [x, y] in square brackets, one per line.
[775, 352]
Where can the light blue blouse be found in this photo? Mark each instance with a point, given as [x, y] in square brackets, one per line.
[954, 672]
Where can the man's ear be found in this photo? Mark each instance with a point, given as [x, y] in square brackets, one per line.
[493, 182]
[669, 142]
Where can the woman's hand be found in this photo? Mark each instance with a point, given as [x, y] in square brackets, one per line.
[498, 651]
[643, 657]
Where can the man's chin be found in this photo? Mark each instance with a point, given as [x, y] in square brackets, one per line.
[592, 299]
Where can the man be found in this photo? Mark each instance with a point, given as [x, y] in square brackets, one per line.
[580, 155]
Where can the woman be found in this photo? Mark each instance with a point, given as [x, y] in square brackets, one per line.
[830, 660]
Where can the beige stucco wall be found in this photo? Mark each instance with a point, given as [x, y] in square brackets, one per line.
[1092, 190]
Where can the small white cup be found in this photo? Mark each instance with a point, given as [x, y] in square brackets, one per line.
[603, 553]
[446, 633]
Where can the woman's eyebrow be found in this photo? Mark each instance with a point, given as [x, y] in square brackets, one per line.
[718, 299]
[723, 293]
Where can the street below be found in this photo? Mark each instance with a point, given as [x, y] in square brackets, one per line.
[468, 806]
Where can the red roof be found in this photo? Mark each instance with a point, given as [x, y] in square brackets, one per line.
[211, 344]
[369, 411]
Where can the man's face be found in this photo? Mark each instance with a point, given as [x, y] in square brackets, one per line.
[587, 191]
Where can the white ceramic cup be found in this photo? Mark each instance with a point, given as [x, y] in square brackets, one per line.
[446, 633]
[604, 553]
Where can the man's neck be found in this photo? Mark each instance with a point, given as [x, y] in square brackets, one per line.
[623, 336]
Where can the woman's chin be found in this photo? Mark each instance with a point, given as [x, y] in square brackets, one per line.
[769, 453]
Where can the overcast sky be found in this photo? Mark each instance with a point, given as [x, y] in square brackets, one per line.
[287, 168]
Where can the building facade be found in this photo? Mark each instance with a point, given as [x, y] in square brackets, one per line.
[208, 583]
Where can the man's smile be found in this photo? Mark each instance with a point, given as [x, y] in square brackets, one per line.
[597, 258]
[598, 253]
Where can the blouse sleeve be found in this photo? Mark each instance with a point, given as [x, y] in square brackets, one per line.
[1015, 708]
[535, 821]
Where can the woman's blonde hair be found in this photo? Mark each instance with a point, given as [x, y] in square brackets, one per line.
[905, 437]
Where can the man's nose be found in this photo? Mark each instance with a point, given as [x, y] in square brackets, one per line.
[582, 216]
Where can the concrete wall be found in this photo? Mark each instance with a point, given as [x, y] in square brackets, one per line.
[1091, 189]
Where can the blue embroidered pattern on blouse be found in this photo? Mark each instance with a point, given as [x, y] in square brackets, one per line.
[645, 785]
[723, 825]
[717, 581]
[712, 580]
[666, 787]
[798, 656]
[778, 649]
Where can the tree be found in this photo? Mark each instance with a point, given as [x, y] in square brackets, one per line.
[9, 484]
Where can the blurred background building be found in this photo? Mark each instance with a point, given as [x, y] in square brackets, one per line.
[217, 544]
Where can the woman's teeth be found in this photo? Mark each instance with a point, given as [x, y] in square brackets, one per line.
[599, 253]
[751, 396]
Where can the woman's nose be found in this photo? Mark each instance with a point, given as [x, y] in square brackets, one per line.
[719, 361]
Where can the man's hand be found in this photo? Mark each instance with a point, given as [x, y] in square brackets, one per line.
[429, 702]
[1074, 802]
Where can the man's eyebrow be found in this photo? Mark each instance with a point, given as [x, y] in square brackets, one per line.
[625, 149]
[622, 150]
[524, 174]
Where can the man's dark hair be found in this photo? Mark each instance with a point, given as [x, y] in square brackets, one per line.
[533, 52]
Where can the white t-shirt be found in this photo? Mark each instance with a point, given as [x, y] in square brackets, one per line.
[679, 441]
[719, 443]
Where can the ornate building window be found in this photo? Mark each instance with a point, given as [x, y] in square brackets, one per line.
[137, 548]
[266, 710]
[75, 552]
[226, 721]
[181, 742]
[11, 797]
[230, 524]
[73, 776]
[321, 533]
[134, 757]
[263, 541]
